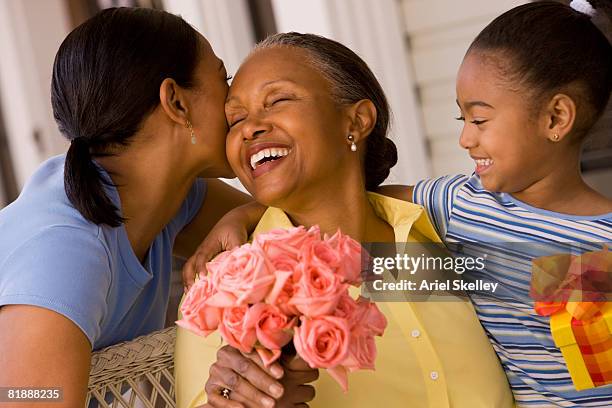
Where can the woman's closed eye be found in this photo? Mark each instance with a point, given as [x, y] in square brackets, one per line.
[279, 99]
[235, 120]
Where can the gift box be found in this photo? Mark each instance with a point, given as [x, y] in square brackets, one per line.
[586, 345]
[574, 291]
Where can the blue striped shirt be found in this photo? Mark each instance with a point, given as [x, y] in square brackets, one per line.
[472, 220]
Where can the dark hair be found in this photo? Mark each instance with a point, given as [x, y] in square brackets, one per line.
[106, 78]
[551, 48]
[351, 80]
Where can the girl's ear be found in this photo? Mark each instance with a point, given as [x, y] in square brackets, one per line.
[362, 116]
[173, 101]
[561, 116]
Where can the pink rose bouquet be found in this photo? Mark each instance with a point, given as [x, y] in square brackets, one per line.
[289, 285]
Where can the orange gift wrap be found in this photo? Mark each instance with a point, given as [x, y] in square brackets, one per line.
[574, 291]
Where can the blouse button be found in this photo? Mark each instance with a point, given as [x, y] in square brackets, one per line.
[415, 333]
[433, 375]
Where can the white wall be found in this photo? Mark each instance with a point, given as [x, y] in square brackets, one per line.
[226, 24]
[439, 32]
[30, 34]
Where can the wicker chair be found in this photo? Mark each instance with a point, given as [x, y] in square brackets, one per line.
[137, 373]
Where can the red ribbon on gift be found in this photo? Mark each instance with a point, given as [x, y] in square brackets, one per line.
[583, 312]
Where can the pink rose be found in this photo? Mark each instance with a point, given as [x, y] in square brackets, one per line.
[245, 274]
[234, 331]
[287, 272]
[273, 328]
[320, 252]
[347, 309]
[366, 322]
[282, 292]
[213, 266]
[281, 242]
[362, 351]
[323, 341]
[284, 262]
[196, 315]
[369, 317]
[349, 252]
[318, 290]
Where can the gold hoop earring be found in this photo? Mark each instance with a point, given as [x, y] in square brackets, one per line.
[191, 132]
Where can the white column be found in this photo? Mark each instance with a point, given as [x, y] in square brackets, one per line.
[30, 34]
[374, 31]
[226, 24]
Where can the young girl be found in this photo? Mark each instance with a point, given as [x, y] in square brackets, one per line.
[531, 85]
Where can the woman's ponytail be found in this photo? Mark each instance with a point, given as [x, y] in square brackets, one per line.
[84, 186]
[106, 80]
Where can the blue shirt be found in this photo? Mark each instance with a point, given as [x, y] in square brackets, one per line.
[473, 221]
[52, 257]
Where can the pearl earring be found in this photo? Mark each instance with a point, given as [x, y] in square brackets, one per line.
[193, 138]
[556, 137]
[351, 139]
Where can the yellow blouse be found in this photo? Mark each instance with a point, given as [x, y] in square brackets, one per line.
[433, 354]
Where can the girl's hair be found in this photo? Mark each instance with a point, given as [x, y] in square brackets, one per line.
[106, 79]
[549, 48]
[351, 81]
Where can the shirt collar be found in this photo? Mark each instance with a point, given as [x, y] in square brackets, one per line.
[409, 221]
